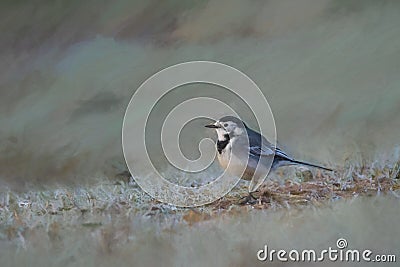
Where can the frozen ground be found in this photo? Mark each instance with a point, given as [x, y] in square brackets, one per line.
[117, 223]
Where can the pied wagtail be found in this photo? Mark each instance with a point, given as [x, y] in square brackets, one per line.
[244, 152]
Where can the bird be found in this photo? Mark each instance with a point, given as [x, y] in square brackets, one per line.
[244, 152]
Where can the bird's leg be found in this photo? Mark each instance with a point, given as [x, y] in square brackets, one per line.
[249, 199]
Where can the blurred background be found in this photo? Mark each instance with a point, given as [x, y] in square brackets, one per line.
[329, 68]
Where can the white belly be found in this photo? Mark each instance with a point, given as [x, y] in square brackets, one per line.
[238, 164]
[235, 163]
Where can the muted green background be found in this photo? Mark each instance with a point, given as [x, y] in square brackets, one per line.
[330, 70]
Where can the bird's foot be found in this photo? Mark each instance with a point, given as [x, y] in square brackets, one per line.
[249, 199]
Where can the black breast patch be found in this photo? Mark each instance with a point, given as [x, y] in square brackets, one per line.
[222, 144]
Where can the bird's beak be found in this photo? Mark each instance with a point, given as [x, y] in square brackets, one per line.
[214, 125]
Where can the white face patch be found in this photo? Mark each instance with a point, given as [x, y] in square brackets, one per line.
[221, 134]
[228, 127]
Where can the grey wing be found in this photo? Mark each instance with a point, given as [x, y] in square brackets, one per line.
[261, 151]
[260, 146]
[282, 154]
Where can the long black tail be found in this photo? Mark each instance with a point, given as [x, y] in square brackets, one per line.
[310, 164]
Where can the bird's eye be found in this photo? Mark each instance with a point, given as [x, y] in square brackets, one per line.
[225, 125]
